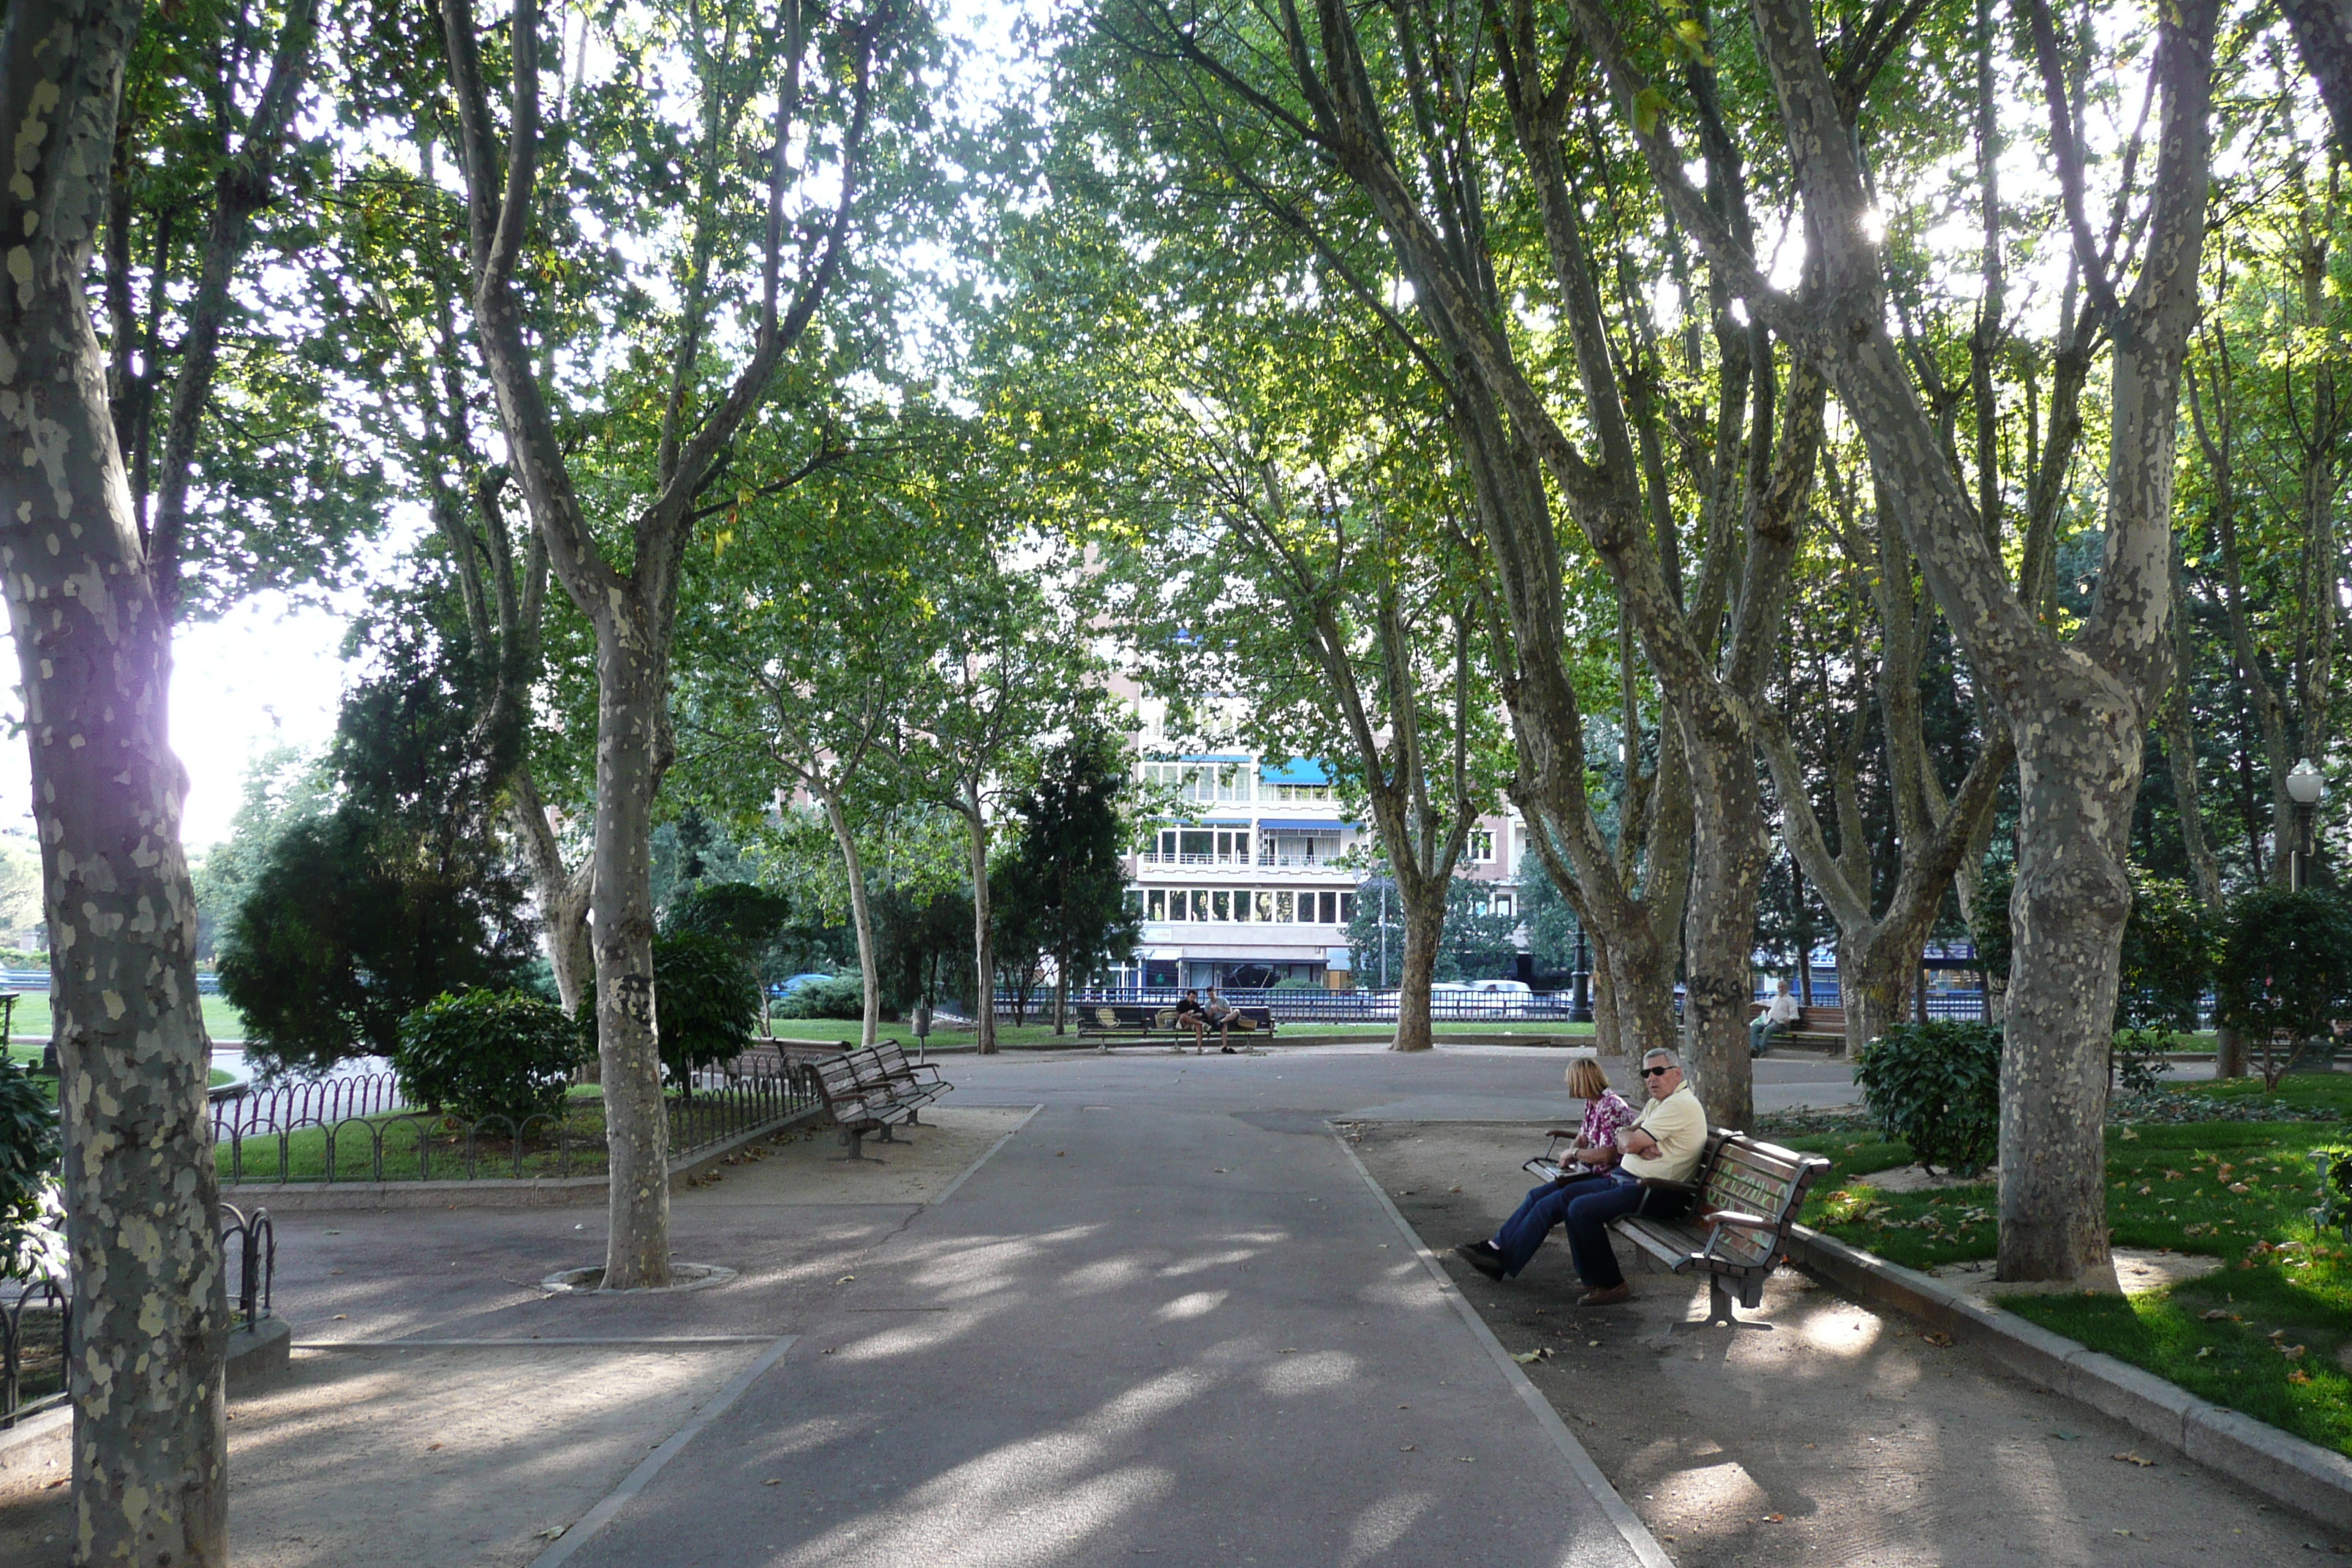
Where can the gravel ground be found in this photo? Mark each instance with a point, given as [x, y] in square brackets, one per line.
[1839, 1436]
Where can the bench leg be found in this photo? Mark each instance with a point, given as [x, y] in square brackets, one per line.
[1719, 1312]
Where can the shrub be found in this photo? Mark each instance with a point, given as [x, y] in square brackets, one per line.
[1937, 1088]
[32, 1139]
[842, 996]
[706, 1000]
[488, 1053]
[2286, 972]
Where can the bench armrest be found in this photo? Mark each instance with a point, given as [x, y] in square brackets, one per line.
[1738, 1219]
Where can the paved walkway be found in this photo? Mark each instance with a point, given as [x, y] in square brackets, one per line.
[1168, 1319]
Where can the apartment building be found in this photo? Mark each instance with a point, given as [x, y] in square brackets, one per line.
[1253, 881]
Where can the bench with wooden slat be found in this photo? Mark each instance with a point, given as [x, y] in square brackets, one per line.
[1735, 1226]
[907, 1081]
[1109, 1025]
[857, 1105]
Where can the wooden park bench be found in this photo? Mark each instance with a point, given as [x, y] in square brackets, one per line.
[1817, 1027]
[1735, 1228]
[863, 1094]
[1107, 1025]
[910, 1085]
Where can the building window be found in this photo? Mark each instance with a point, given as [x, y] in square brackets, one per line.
[1482, 846]
[1155, 904]
[1211, 784]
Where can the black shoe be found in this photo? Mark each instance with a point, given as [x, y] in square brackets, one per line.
[1482, 1257]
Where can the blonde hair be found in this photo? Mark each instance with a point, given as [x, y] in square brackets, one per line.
[1585, 1078]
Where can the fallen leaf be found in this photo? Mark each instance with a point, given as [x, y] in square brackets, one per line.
[2134, 1460]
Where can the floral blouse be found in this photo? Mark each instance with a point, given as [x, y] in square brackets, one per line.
[1603, 1116]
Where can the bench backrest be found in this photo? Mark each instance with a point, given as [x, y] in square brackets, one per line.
[1750, 1175]
[838, 1078]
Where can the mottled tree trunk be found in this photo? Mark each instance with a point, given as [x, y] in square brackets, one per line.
[1875, 971]
[93, 647]
[2066, 921]
[1719, 944]
[631, 689]
[563, 893]
[1422, 915]
[861, 914]
[983, 947]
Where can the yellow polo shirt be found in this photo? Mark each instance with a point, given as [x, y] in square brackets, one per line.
[1679, 1124]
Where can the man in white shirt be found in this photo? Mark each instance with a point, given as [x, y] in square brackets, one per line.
[1779, 1015]
[1663, 1143]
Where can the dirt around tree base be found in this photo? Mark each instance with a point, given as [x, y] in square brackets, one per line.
[1841, 1436]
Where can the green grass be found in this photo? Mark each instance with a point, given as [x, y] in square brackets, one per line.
[2230, 1337]
[221, 1022]
[402, 1135]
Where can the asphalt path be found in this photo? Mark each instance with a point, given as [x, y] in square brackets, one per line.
[1169, 1318]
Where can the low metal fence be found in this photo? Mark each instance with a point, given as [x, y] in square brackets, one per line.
[250, 1257]
[36, 1316]
[306, 1103]
[421, 1146]
[35, 1323]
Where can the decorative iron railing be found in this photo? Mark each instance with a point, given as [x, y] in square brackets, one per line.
[421, 1146]
[36, 1316]
[306, 1103]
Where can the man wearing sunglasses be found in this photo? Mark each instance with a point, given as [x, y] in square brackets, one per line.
[1663, 1143]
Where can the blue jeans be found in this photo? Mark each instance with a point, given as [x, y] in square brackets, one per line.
[1586, 1206]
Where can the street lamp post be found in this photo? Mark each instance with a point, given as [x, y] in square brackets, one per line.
[1580, 1007]
[2305, 786]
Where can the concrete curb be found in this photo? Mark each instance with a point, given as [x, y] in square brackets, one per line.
[2313, 1481]
[530, 1192]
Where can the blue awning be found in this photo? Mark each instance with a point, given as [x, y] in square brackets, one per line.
[1293, 772]
[1302, 824]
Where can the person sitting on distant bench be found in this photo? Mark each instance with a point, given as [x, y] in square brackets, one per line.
[1190, 1016]
[1779, 1015]
[1220, 1013]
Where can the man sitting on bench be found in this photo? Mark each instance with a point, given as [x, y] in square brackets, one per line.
[1190, 1016]
[1219, 1015]
[1779, 1015]
[1663, 1143]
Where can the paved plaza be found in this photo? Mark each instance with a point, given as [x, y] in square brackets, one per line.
[1110, 1309]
